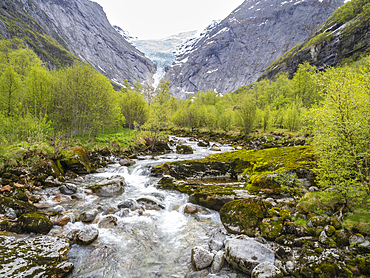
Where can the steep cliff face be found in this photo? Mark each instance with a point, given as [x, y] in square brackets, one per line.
[242, 46]
[345, 35]
[91, 38]
[80, 27]
[24, 19]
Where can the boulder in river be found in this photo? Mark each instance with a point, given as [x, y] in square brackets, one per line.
[246, 254]
[108, 222]
[184, 149]
[201, 257]
[35, 222]
[126, 162]
[87, 235]
[109, 187]
[89, 216]
[68, 189]
[34, 257]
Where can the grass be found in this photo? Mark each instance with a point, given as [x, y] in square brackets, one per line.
[119, 140]
[358, 219]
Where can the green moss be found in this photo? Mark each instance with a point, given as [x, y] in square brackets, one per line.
[78, 157]
[35, 222]
[262, 166]
[243, 216]
[320, 38]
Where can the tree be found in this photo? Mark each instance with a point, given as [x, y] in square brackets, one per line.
[10, 85]
[247, 114]
[38, 87]
[305, 85]
[342, 131]
[134, 108]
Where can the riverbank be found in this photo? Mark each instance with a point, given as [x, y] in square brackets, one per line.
[276, 184]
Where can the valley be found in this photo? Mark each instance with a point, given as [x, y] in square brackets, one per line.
[240, 150]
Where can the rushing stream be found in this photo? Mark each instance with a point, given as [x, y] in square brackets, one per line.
[144, 243]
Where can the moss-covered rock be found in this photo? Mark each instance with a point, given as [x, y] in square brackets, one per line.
[20, 207]
[184, 149]
[259, 166]
[35, 222]
[79, 161]
[266, 183]
[211, 194]
[243, 216]
[40, 256]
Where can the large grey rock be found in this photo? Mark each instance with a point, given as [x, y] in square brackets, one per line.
[30, 256]
[266, 270]
[201, 258]
[87, 235]
[68, 189]
[236, 51]
[89, 216]
[109, 187]
[246, 254]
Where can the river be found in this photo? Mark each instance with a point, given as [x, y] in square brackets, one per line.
[144, 243]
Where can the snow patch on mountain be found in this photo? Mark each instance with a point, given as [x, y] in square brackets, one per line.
[125, 34]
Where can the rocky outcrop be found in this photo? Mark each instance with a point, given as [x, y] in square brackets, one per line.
[79, 27]
[335, 41]
[34, 256]
[212, 182]
[236, 51]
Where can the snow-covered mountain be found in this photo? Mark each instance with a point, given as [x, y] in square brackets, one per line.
[162, 52]
[237, 50]
[125, 34]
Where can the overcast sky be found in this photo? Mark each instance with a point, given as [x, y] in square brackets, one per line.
[157, 19]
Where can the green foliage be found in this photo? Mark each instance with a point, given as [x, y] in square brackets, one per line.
[133, 106]
[342, 130]
[350, 10]
[246, 114]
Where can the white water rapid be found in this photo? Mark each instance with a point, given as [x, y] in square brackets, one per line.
[144, 243]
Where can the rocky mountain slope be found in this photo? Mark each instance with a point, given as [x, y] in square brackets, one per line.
[345, 35]
[238, 49]
[82, 28]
